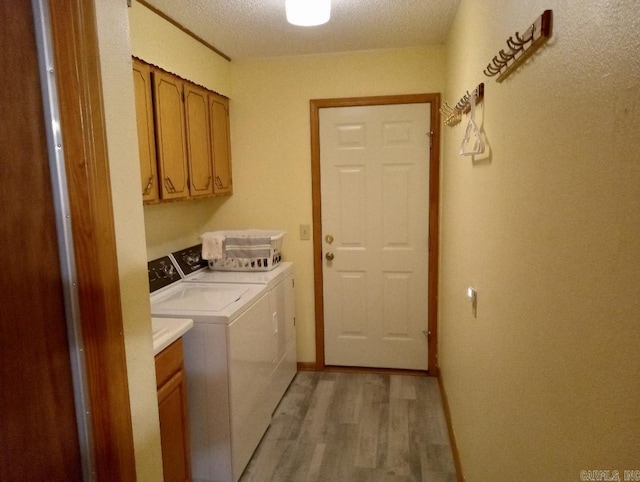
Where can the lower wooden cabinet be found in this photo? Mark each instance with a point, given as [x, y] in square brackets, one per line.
[172, 404]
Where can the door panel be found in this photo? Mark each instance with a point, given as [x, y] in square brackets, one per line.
[375, 201]
[221, 144]
[146, 136]
[170, 132]
[38, 432]
[198, 141]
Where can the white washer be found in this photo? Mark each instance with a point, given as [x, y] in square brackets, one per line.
[280, 284]
[228, 364]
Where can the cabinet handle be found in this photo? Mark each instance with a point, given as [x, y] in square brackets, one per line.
[219, 184]
[208, 183]
[169, 185]
[147, 189]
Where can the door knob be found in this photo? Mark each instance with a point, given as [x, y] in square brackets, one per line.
[329, 256]
[328, 238]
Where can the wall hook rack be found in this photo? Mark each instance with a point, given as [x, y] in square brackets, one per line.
[453, 115]
[520, 47]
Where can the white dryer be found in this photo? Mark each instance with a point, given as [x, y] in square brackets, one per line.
[280, 285]
[228, 365]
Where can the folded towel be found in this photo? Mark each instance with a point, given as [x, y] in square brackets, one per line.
[212, 246]
[251, 247]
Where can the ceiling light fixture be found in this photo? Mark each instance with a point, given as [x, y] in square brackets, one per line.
[308, 13]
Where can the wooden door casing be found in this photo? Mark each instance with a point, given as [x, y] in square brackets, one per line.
[78, 80]
[433, 211]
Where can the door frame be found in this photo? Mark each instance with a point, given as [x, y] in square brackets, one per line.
[434, 209]
[78, 80]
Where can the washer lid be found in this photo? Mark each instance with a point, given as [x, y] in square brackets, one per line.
[250, 277]
[212, 298]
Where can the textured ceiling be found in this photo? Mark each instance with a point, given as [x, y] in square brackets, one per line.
[243, 29]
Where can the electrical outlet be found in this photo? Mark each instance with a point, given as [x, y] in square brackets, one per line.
[305, 232]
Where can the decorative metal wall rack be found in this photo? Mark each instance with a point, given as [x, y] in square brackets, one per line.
[520, 48]
[453, 115]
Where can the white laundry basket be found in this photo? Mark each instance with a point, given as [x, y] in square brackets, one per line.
[250, 264]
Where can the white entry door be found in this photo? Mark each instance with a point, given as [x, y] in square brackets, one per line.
[374, 171]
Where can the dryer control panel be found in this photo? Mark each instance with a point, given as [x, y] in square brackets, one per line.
[189, 260]
[162, 272]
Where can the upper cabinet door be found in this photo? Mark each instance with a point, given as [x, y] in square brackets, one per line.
[146, 136]
[198, 141]
[170, 136]
[221, 144]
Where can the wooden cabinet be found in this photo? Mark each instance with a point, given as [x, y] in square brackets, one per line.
[146, 136]
[196, 103]
[221, 143]
[170, 135]
[184, 137]
[172, 406]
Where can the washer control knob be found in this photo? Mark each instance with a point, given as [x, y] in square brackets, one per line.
[192, 259]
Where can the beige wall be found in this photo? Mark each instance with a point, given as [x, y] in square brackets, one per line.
[545, 381]
[122, 144]
[160, 43]
[270, 140]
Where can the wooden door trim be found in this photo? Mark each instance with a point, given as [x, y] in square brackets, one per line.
[78, 80]
[434, 210]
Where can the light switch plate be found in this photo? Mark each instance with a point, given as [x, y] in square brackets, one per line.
[305, 232]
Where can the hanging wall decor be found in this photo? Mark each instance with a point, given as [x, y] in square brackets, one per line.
[453, 115]
[520, 48]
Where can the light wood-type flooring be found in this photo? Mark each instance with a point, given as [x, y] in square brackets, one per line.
[337, 427]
